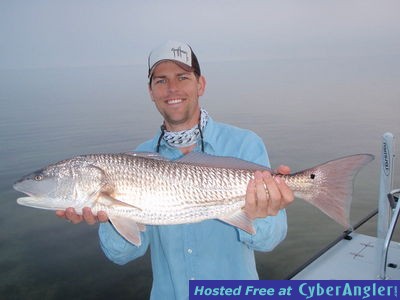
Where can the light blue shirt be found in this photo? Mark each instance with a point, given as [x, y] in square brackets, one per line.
[207, 250]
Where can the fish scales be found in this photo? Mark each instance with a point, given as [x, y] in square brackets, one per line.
[172, 192]
[140, 189]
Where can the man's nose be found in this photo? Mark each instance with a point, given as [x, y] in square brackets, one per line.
[172, 85]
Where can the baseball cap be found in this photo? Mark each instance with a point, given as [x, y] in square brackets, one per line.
[178, 52]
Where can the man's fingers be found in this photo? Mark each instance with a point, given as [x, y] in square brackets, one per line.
[60, 214]
[88, 216]
[282, 169]
[262, 192]
[274, 194]
[286, 193]
[72, 216]
[102, 216]
[251, 201]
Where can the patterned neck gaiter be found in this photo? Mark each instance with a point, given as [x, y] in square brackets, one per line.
[188, 137]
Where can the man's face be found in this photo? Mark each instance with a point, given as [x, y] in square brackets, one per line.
[176, 93]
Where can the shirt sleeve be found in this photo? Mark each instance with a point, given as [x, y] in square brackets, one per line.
[119, 250]
[270, 231]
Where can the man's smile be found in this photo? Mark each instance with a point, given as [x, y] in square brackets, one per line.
[174, 101]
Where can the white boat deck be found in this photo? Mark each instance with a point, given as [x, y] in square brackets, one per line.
[354, 259]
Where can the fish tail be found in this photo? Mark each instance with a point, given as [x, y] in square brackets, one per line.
[329, 186]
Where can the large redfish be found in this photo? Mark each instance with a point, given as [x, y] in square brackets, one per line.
[136, 189]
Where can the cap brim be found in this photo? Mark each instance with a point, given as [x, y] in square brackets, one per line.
[180, 64]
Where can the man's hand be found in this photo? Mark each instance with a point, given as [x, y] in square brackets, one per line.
[70, 215]
[266, 195]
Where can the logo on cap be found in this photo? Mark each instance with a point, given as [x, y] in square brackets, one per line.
[178, 52]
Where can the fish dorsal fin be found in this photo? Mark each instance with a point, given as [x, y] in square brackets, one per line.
[129, 229]
[150, 155]
[207, 160]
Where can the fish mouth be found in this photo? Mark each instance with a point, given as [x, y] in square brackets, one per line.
[20, 188]
[35, 189]
[42, 203]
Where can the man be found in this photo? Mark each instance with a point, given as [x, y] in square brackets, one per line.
[210, 249]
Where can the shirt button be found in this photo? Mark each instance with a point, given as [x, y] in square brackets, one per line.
[190, 251]
[192, 278]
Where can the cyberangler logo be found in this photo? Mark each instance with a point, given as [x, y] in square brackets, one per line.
[386, 159]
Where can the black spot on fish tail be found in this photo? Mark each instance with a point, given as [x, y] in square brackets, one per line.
[312, 176]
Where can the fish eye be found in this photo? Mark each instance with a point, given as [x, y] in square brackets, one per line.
[38, 177]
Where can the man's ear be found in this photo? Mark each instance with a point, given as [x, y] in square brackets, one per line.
[201, 85]
[150, 91]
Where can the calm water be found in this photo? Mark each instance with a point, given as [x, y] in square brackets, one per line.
[307, 112]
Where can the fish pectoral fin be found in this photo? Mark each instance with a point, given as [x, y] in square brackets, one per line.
[142, 227]
[129, 229]
[108, 200]
[241, 220]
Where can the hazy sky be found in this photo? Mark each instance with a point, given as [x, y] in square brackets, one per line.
[53, 33]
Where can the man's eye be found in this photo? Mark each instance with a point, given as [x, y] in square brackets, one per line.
[160, 81]
[183, 77]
